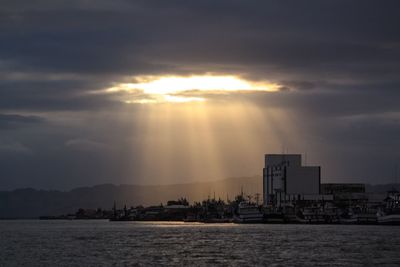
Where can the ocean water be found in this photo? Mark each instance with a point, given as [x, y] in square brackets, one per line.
[103, 243]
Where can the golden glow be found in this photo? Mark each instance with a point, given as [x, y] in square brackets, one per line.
[206, 141]
[158, 89]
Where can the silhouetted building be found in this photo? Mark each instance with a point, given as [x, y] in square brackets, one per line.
[346, 192]
[342, 188]
[284, 178]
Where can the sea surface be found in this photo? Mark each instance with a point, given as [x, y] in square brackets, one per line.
[104, 243]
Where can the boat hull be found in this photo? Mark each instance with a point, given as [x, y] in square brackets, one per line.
[256, 219]
[393, 219]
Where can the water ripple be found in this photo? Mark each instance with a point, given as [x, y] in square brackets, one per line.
[103, 243]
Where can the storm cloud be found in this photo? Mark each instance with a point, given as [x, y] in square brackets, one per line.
[337, 64]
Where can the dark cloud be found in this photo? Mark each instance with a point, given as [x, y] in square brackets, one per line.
[153, 36]
[12, 121]
[59, 95]
[332, 103]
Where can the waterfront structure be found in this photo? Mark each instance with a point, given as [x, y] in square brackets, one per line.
[248, 213]
[390, 213]
[285, 179]
[342, 188]
[348, 192]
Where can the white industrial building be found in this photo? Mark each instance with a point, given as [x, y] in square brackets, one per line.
[285, 179]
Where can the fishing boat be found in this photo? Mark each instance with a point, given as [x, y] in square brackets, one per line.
[313, 215]
[248, 213]
[390, 214]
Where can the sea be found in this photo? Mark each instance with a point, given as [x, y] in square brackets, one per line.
[104, 243]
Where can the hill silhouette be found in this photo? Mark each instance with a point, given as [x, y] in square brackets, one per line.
[31, 203]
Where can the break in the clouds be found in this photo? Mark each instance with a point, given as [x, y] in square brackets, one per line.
[66, 120]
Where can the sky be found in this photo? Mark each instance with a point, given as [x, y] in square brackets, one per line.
[161, 92]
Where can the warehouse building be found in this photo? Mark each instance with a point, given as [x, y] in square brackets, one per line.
[285, 179]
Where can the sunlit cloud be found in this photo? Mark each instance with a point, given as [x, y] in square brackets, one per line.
[159, 89]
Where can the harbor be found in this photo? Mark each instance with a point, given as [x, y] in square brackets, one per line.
[243, 210]
[292, 194]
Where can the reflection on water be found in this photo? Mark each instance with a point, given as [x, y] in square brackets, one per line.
[103, 243]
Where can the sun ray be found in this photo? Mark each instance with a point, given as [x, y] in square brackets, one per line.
[186, 138]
